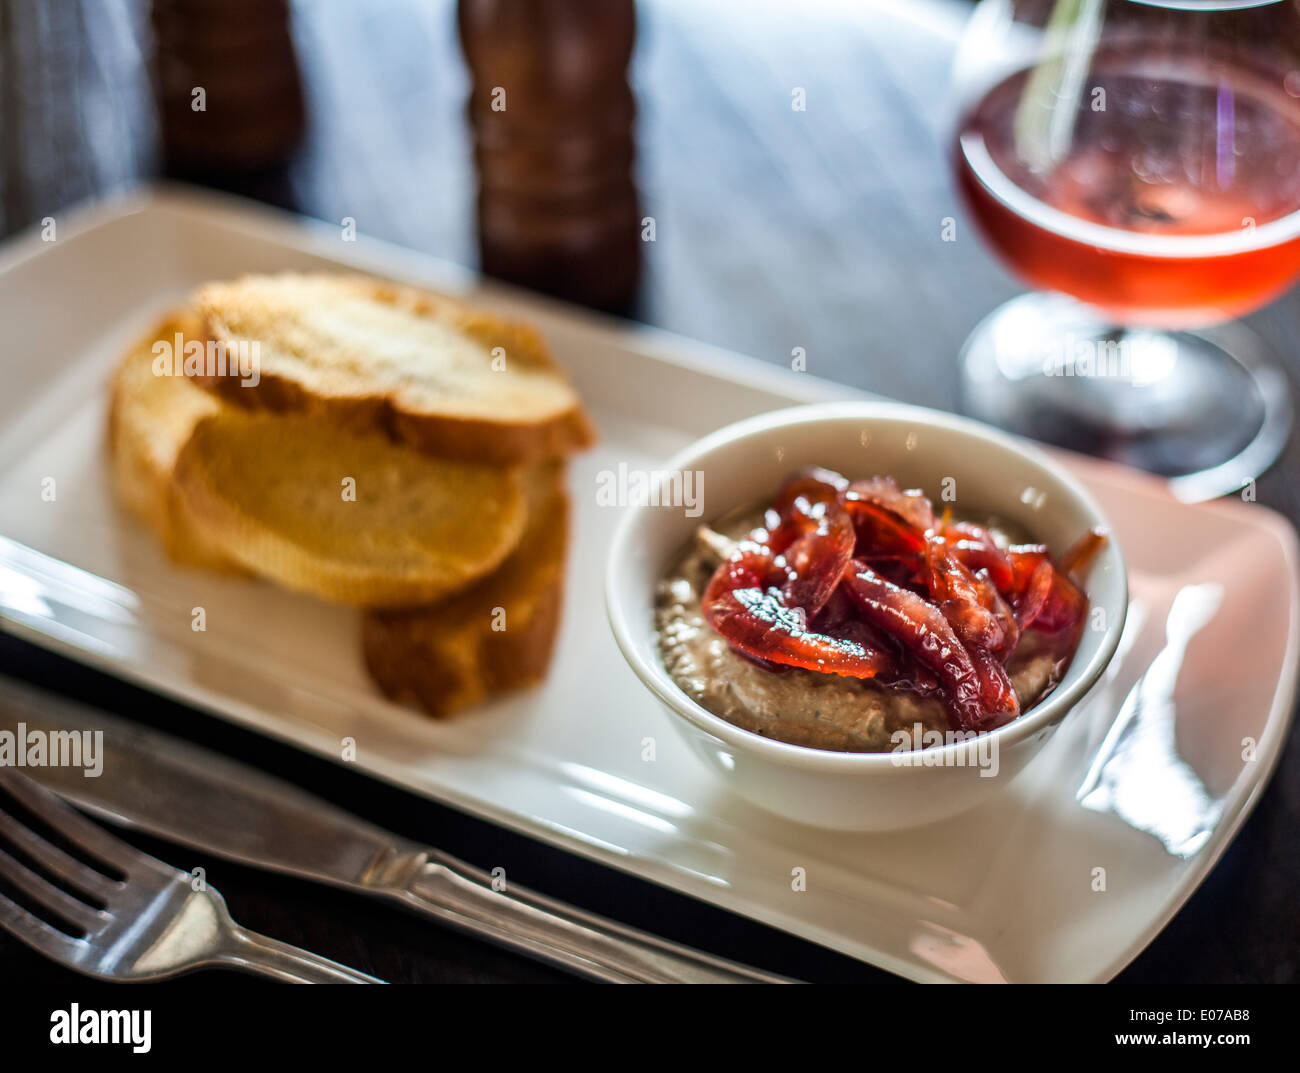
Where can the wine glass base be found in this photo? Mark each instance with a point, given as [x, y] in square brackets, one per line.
[1207, 408]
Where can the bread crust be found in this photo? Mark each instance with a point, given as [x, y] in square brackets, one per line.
[513, 439]
[148, 422]
[449, 656]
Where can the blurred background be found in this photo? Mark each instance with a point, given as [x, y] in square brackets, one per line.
[779, 222]
[771, 177]
[792, 179]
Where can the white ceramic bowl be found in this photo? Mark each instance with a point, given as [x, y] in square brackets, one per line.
[744, 464]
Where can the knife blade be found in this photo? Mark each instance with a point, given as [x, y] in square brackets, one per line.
[183, 793]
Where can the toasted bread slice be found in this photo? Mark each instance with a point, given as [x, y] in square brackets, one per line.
[491, 638]
[151, 415]
[349, 517]
[427, 370]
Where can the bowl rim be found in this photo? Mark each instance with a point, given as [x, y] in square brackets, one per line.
[1063, 699]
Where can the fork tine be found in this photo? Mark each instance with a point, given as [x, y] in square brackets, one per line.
[36, 933]
[55, 861]
[49, 896]
[93, 840]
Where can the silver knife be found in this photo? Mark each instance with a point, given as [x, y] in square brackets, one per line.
[189, 795]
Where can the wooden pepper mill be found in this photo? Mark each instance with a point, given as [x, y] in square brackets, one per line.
[229, 92]
[552, 116]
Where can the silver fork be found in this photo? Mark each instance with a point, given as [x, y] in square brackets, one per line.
[153, 923]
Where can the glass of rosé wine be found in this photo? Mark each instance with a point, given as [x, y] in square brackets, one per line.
[1138, 163]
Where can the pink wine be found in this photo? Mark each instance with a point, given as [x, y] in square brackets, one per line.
[1173, 200]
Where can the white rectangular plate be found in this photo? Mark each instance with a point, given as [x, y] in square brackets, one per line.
[1149, 782]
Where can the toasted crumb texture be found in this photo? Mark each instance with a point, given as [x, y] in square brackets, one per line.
[391, 468]
[150, 417]
[424, 369]
[494, 637]
[349, 517]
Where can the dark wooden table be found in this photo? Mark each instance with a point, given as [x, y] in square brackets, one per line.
[775, 228]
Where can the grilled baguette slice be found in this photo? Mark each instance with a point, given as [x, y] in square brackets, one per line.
[346, 516]
[494, 637]
[150, 417]
[425, 369]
